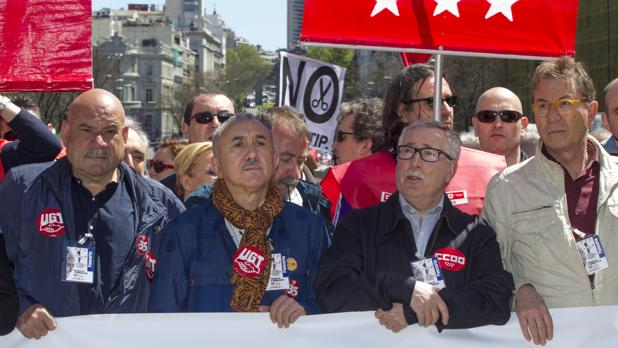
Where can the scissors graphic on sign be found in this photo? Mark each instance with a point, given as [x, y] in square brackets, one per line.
[320, 102]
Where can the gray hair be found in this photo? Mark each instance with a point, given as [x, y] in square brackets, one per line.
[243, 116]
[287, 117]
[453, 143]
[131, 123]
[469, 140]
[606, 90]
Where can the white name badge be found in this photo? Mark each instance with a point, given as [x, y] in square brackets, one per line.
[592, 254]
[279, 279]
[428, 271]
[78, 262]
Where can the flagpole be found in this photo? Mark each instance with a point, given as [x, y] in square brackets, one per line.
[437, 89]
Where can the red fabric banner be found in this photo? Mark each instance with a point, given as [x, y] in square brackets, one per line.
[45, 45]
[371, 180]
[533, 28]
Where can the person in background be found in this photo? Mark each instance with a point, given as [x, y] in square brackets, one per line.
[161, 165]
[8, 295]
[610, 116]
[33, 143]
[499, 124]
[136, 148]
[194, 168]
[359, 130]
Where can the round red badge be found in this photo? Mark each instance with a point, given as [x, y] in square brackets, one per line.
[249, 261]
[50, 223]
[141, 245]
[451, 259]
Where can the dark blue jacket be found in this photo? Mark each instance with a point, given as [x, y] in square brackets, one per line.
[37, 259]
[195, 260]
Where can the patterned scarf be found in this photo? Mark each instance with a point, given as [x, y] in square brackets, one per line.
[248, 291]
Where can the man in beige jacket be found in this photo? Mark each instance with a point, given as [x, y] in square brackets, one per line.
[554, 214]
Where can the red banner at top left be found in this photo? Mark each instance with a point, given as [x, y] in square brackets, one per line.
[45, 46]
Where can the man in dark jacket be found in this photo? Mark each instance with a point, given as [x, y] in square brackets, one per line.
[82, 232]
[8, 295]
[415, 258]
[244, 249]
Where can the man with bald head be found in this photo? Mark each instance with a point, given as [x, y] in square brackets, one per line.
[81, 232]
[499, 124]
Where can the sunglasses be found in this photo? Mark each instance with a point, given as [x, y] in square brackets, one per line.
[207, 116]
[451, 100]
[158, 166]
[339, 135]
[506, 116]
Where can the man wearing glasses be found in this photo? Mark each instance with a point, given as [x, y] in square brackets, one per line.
[415, 258]
[359, 130]
[555, 215]
[499, 124]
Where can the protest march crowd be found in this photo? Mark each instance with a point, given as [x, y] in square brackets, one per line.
[234, 219]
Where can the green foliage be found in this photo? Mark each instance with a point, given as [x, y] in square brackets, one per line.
[338, 56]
[245, 69]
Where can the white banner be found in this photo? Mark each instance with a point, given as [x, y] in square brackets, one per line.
[592, 327]
[314, 88]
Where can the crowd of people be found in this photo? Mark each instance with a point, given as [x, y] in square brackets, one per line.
[234, 217]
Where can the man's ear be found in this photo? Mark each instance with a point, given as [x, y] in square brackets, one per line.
[451, 171]
[64, 131]
[216, 166]
[592, 112]
[365, 147]
[524, 124]
[185, 129]
[475, 124]
[125, 134]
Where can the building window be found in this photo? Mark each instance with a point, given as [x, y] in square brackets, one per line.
[148, 123]
[148, 70]
[148, 94]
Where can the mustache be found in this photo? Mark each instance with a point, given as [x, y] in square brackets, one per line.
[97, 153]
[416, 173]
[251, 163]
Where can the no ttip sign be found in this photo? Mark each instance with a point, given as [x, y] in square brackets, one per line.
[451, 259]
[321, 95]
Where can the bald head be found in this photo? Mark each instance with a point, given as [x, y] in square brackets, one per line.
[97, 101]
[498, 95]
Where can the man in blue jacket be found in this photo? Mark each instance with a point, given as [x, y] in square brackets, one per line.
[82, 232]
[245, 249]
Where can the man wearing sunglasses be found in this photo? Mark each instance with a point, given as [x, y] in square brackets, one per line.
[555, 213]
[359, 130]
[204, 113]
[499, 124]
[416, 259]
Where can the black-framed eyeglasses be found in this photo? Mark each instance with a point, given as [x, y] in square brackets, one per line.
[451, 100]
[207, 116]
[428, 154]
[507, 116]
[339, 135]
[158, 166]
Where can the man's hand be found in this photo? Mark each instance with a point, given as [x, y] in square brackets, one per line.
[534, 318]
[35, 322]
[428, 305]
[392, 319]
[284, 311]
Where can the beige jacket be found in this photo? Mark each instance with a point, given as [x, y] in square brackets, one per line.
[526, 206]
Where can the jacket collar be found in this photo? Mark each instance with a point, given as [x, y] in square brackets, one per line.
[141, 192]
[451, 215]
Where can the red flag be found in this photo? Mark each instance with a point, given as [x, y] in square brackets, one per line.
[371, 180]
[45, 45]
[532, 28]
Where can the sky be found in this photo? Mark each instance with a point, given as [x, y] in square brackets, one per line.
[261, 22]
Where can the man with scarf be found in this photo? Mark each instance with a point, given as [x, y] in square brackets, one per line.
[244, 249]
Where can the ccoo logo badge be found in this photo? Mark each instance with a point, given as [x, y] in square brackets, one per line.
[450, 259]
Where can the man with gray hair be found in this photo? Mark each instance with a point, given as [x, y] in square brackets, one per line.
[136, 146]
[610, 116]
[359, 130]
[415, 258]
